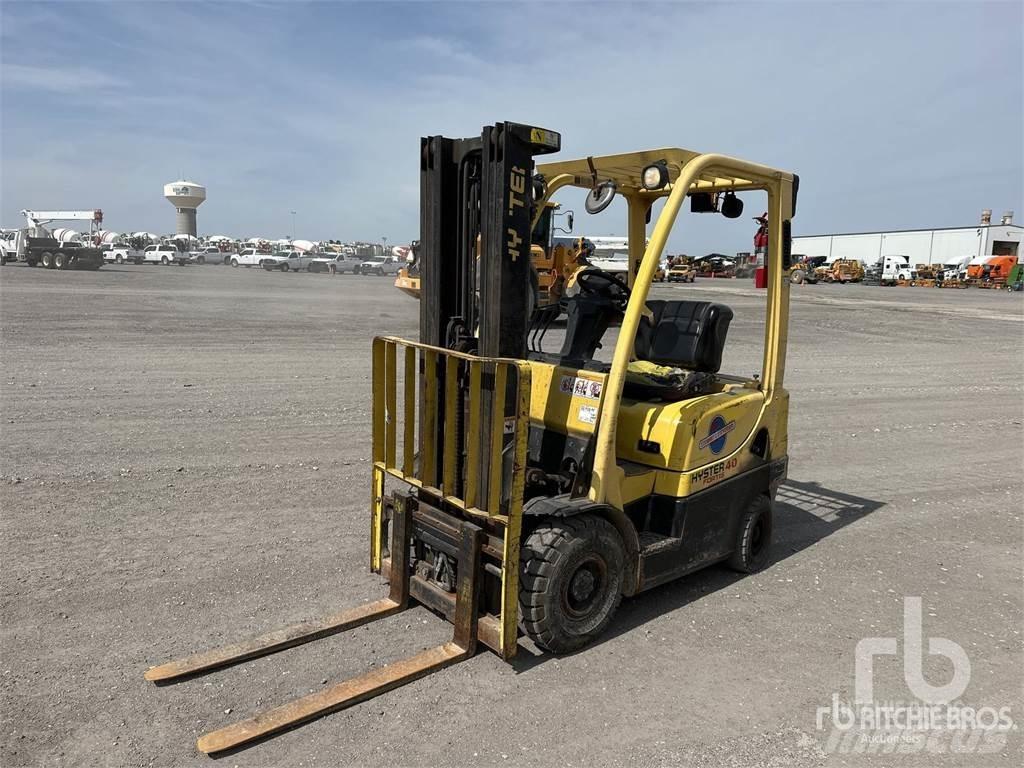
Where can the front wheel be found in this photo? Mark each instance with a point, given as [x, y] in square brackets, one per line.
[201, 260]
[284, 267]
[753, 538]
[571, 581]
[234, 262]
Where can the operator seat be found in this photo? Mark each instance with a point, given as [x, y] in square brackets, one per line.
[687, 335]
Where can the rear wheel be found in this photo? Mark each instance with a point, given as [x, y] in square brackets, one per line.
[753, 538]
[60, 260]
[571, 581]
[164, 261]
[119, 259]
[796, 277]
[47, 260]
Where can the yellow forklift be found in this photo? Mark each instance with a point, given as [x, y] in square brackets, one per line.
[523, 491]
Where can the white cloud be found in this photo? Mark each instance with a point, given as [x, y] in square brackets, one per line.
[56, 79]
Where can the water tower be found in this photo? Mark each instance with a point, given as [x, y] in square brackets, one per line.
[185, 196]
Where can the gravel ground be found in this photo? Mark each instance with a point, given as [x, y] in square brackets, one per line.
[184, 462]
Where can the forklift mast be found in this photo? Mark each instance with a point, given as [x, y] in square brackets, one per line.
[476, 209]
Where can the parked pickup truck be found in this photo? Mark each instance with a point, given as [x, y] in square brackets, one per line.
[211, 254]
[378, 266]
[288, 261]
[122, 254]
[164, 254]
[322, 262]
[343, 263]
[248, 257]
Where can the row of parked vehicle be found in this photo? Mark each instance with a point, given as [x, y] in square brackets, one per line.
[283, 261]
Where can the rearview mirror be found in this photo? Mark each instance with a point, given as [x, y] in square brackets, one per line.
[600, 197]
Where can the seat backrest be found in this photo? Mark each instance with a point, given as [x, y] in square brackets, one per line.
[684, 334]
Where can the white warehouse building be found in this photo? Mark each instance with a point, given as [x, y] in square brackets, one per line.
[924, 246]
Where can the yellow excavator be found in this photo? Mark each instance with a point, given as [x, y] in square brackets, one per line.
[518, 490]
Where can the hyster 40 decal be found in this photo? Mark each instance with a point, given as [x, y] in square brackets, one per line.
[712, 473]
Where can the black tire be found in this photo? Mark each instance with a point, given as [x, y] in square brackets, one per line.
[201, 260]
[753, 537]
[234, 262]
[31, 262]
[60, 260]
[164, 261]
[571, 581]
[284, 267]
[119, 259]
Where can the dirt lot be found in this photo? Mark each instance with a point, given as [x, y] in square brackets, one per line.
[184, 462]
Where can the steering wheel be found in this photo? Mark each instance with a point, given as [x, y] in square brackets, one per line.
[607, 285]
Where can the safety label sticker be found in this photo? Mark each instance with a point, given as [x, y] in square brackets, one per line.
[588, 414]
[574, 385]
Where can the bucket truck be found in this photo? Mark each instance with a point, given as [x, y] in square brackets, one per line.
[35, 244]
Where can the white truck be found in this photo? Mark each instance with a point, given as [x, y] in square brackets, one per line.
[288, 261]
[248, 257]
[896, 268]
[375, 265]
[209, 254]
[122, 254]
[162, 253]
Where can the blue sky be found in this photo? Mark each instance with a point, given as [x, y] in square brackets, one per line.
[896, 115]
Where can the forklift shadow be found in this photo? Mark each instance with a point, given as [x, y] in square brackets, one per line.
[804, 514]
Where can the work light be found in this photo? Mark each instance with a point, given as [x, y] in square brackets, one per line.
[655, 176]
